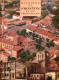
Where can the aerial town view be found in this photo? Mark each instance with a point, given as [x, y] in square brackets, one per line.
[29, 39]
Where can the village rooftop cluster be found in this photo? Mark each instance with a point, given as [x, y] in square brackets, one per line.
[29, 46]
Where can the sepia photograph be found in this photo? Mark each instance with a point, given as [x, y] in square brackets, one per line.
[29, 39]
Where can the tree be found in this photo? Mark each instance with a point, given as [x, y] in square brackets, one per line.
[17, 32]
[28, 52]
[37, 40]
[11, 14]
[13, 58]
[0, 11]
[36, 36]
[23, 32]
[48, 45]
[34, 54]
[37, 46]
[30, 33]
[44, 13]
[33, 34]
[33, 38]
[55, 19]
[23, 55]
[51, 43]
[40, 40]
[47, 40]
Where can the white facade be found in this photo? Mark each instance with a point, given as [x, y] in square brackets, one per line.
[17, 17]
[27, 30]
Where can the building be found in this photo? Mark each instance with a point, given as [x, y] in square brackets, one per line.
[15, 16]
[10, 43]
[56, 41]
[31, 28]
[28, 43]
[4, 57]
[13, 70]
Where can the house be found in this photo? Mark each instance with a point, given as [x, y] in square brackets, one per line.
[27, 20]
[28, 42]
[4, 57]
[13, 70]
[45, 34]
[31, 28]
[15, 16]
[16, 51]
[56, 41]
[47, 20]
[11, 47]
[12, 37]
[10, 43]
[53, 53]
[43, 69]
[19, 23]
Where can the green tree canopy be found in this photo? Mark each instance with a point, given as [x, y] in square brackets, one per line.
[55, 19]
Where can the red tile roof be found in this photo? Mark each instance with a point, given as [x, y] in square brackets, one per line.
[54, 66]
[44, 32]
[3, 40]
[10, 34]
[46, 20]
[56, 39]
[17, 48]
[28, 40]
[21, 38]
[32, 27]
[53, 52]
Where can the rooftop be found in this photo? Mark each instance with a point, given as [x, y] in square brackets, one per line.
[28, 40]
[10, 34]
[32, 27]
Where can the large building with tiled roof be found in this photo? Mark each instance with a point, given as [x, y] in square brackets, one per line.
[10, 43]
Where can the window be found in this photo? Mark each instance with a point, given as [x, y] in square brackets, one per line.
[42, 56]
[37, 75]
[13, 75]
[38, 57]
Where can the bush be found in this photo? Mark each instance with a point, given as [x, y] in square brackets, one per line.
[23, 55]
[50, 44]
[23, 32]
[37, 40]
[33, 38]
[30, 33]
[13, 58]
[47, 40]
[33, 34]
[36, 36]
[28, 52]
[17, 32]
[34, 54]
